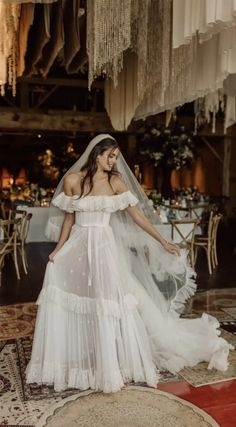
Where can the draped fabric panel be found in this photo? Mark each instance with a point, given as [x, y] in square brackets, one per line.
[40, 35]
[57, 38]
[205, 17]
[75, 54]
[184, 51]
[205, 68]
[9, 24]
[121, 101]
[72, 33]
[33, 37]
[196, 70]
[155, 55]
[26, 20]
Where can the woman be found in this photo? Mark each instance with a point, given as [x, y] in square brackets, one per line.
[113, 289]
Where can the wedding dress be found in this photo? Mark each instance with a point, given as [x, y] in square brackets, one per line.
[97, 327]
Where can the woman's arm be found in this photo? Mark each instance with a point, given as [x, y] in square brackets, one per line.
[69, 219]
[65, 232]
[140, 219]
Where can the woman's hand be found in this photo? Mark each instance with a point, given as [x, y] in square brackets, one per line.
[51, 256]
[171, 248]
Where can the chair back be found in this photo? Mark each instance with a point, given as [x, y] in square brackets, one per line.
[8, 236]
[183, 231]
[216, 221]
[16, 213]
[24, 227]
[3, 211]
[210, 226]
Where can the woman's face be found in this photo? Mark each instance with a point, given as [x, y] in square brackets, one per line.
[108, 159]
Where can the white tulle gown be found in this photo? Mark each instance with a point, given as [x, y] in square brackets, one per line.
[96, 326]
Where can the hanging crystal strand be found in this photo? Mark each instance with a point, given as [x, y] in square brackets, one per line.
[157, 61]
[142, 45]
[9, 24]
[154, 70]
[108, 36]
[6, 41]
[10, 56]
[16, 9]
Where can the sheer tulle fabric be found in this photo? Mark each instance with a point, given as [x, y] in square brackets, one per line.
[97, 326]
[89, 333]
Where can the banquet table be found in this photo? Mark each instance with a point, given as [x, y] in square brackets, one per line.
[40, 216]
[194, 211]
[38, 222]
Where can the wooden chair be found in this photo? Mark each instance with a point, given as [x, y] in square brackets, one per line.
[3, 211]
[208, 242]
[8, 242]
[216, 221]
[18, 228]
[16, 213]
[21, 239]
[23, 228]
[183, 233]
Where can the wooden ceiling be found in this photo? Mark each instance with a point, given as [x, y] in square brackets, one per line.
[55, 98]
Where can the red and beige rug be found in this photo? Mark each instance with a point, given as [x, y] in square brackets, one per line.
[17, 320]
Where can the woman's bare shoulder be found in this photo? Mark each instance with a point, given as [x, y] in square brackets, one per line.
[118, 184]
[74, 176]
[72, 181]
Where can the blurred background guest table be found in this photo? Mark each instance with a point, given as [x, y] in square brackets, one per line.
[38, 222]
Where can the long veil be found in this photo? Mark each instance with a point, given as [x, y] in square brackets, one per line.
[168, 279]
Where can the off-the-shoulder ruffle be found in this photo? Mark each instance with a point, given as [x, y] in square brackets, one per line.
[95, 203]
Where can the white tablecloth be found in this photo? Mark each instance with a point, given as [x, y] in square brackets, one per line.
[40, 216]
[37, 223]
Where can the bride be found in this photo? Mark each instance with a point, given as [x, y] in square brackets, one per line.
[114, 289]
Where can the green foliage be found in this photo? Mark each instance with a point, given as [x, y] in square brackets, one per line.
[174, 148]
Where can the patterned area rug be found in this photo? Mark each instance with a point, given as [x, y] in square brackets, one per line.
[199, 375]
[14, 411]
[2, 345]
[17, 320]
[132, 407]
[22, 404]
[34, 391]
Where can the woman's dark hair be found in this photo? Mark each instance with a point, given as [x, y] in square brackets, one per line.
[91, 165]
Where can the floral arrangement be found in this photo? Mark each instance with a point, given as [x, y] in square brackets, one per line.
[155, 196]
[174, 148]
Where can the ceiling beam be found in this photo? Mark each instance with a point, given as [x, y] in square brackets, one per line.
[63, 121]
[60, 82]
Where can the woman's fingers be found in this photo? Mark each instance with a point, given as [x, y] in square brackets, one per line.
[51, 257]
[173, 249]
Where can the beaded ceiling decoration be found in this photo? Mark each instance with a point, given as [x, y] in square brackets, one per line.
[9, 23]
[144, 26]
[9, 26]
[108, 36]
